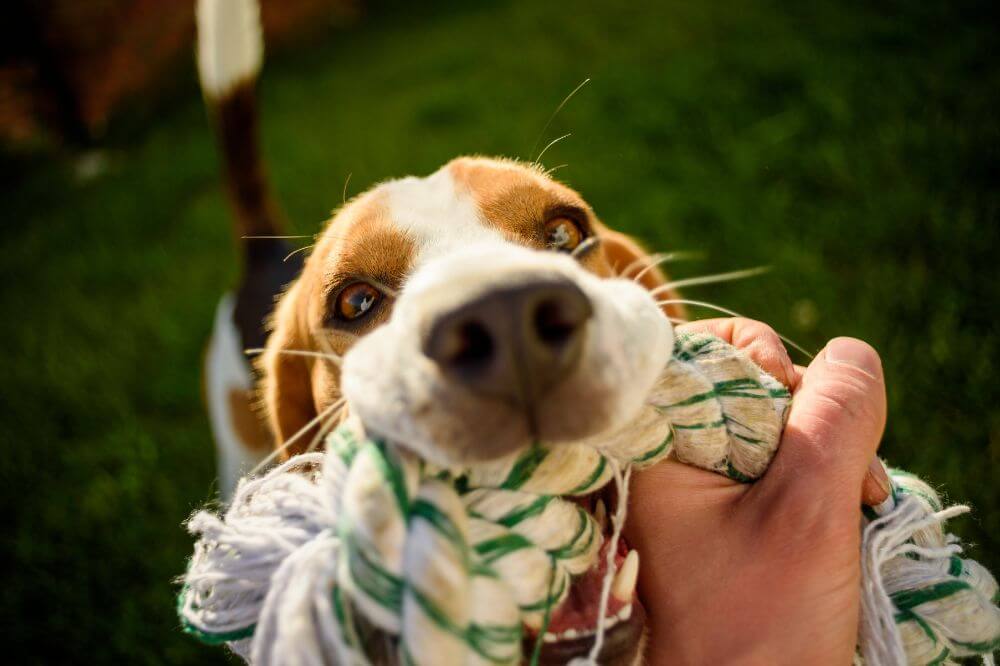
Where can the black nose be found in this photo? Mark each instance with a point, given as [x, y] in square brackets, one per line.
[512, 342]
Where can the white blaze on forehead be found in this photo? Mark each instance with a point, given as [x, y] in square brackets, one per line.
[437, 215]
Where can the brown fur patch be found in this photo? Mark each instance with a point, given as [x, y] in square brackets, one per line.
[359, 243]
[518, 198]
[362, 242]
[237, 123]
[246, 421]
[515, 198]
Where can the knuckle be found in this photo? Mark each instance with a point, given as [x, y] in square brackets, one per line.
[750, 333]
[853, 398]
[764, 346]
[815, 435]
[842, 415]
[752, 326]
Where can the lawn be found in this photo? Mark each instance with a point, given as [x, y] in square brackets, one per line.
[853, 147]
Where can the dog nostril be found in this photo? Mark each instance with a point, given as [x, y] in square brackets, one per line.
[552, 325]
[511, 343]
[474, 345]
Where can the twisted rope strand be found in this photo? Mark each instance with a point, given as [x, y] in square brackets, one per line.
[621, 510]
[322, 553]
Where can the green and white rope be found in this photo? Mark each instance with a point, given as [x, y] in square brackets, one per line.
[366, 551]
[922, 603]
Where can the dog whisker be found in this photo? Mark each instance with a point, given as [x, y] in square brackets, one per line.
[333, 358]
[271, 457]
[325, 429]
[635, 263]
[296, 251]
[556, 113]
[346, 181]
[538, 160]
[275, 237]
[710, 279]
[732, 313]
[555, 168]
[654, 260]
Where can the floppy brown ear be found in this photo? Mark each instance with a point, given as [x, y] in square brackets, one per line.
[628, 259]
[286, 378]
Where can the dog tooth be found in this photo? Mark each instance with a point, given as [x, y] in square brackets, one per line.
[570, 634]
[601, 515]
[624, 613]
[549, 637]
[624, 584]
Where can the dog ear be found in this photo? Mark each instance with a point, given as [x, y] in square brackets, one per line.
[628, 259]
[286, 378]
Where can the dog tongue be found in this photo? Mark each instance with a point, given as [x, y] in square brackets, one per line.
[580, 608]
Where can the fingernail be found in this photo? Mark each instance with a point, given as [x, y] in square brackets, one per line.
[855, 353]
[876, 470]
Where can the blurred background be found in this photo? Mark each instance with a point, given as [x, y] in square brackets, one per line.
[851, 146]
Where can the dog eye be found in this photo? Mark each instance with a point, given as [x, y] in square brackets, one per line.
[356, 300]
[563, 234]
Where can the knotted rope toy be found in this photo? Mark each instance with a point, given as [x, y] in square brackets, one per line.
[366, 554]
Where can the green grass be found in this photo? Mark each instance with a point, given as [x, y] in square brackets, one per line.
[852, 148]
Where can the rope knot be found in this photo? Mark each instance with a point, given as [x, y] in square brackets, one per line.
[366, 553]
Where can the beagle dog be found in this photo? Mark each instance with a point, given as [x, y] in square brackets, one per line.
[463, 314]
[474, 311]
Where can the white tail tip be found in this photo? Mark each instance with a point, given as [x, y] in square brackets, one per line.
[230, 44]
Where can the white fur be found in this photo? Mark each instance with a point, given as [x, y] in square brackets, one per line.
[401, 394]
[436, 215]
[226, 370]
[230, 45]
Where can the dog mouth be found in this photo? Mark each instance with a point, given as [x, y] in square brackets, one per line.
[573, 625]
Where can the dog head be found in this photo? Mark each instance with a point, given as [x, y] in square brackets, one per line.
[476, 310]
[464, 316]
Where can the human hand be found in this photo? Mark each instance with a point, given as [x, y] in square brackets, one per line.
[768, 572]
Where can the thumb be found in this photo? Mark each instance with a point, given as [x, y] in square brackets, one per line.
[835, 424]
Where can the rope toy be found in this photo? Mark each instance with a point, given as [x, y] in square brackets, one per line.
[366, 554]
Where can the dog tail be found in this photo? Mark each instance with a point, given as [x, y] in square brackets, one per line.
[230, 53]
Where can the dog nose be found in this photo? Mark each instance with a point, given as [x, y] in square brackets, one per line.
[514, 342]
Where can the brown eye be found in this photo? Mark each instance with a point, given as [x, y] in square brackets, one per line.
[356, 300]
[563, 234]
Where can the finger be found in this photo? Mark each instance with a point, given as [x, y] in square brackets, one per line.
[759, 341]
[876, 487]
[673, 488]
[835, 423]
[798, 371]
